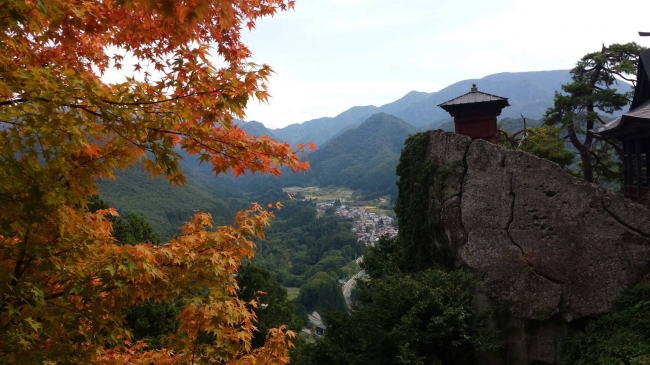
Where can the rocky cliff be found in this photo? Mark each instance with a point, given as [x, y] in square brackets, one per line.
[551, 249]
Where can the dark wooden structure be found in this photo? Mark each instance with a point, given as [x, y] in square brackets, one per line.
[475, 114]
[633, 130]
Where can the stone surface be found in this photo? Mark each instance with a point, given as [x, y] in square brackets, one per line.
[450, 149]
[550, 248]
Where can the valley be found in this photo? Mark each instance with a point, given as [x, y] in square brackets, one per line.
[333, 215]
[339, 208]
[351, 183]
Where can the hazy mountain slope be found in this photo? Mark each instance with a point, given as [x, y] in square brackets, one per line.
[529, 93]
[361, 158]
[404, 101]
[510, 125]
[257, 129]
[321, 130]
[364, 157]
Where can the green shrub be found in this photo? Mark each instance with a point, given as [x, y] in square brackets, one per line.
[621, 337]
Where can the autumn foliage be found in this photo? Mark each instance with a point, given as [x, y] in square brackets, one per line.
[64, 279]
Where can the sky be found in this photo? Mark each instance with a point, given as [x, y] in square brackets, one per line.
[330, 55]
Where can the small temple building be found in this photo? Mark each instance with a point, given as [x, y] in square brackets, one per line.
[475, 114]
[632, 129]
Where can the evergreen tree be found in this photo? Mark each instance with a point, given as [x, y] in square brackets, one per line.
[578, 109]
[135, 229]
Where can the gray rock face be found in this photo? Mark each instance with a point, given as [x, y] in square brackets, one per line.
[550, 248]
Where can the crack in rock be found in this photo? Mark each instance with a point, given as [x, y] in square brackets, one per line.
[460, 194]
[513, 197]
[512, 217]
[622, 222]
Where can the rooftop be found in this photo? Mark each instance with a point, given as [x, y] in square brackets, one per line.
[475, 96]
[615, 128]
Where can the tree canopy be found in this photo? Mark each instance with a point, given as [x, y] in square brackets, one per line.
[65, 280]
[275, 308]
[404, 317]
[543, 141]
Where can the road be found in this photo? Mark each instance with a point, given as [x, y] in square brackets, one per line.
[347, 287]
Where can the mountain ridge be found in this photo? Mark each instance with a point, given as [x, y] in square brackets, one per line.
[530, 93]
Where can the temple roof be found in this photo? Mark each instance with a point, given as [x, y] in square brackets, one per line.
[627, 123]
[638, 118]
[474, 97]
[643, 73]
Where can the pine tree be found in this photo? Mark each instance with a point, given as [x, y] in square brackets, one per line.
[591, 93]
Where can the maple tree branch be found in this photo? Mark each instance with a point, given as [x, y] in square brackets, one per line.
[200, 143]
[196, 342]
[34, 258]
[139, 145]
[69, 309]
[18, 269]
[14, 123]
[74, 106]
[91, 160]
[62, 293]
[84, 108]
[136, 103]
[13, 101]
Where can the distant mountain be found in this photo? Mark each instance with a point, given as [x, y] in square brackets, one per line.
[363, 158]
[323, 129]
[257, 129]
[529, 93]
[404, 102]
[510, 125]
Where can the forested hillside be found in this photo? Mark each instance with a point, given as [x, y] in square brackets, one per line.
[167, 207]
[363, 158]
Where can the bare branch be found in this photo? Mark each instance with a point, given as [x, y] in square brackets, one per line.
[618, 149]
[601, 164]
